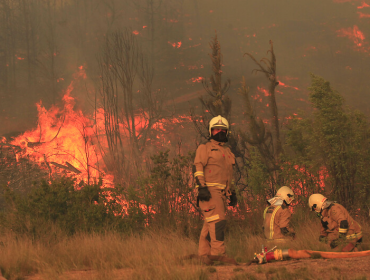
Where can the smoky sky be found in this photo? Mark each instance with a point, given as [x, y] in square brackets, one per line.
[41, 48]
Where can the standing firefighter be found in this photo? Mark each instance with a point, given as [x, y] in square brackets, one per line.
[338, 228]
[277, 216]
[213, 173]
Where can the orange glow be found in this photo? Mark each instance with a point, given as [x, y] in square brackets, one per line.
[195, 80]
[19, 58]
[362, 15]
[135, 32]
[263, 90]
[355, 34]
[192, 67]
[175, 45]
[145, 26]
[287, 86]
[172, 20]
[363, 5]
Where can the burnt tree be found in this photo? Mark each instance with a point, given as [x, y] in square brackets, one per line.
[268, 142]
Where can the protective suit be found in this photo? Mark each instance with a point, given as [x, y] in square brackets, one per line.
[338, 228]
[213, 173]
[277, 216]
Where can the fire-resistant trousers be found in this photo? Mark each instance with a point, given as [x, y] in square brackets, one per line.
[211, 241]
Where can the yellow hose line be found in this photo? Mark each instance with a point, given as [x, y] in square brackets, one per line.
[302, 254]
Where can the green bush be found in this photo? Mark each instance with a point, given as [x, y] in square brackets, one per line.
[86, 208]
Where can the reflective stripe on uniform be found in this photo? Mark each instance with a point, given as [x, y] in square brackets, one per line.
[264, 213]
[343, 230]
[276, 240]
[212, 218]
[217, 185]
[272, 222]
[199, 173]
[355, 235]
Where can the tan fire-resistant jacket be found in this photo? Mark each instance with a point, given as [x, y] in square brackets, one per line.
[331, 220]
[276, 218]
[214, 165]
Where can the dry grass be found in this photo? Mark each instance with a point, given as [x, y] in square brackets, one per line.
[146, 256]
[150, 256]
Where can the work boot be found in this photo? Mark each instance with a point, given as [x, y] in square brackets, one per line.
[206, 260]
[224, 259]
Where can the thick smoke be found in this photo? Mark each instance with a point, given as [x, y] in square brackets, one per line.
[44, 42]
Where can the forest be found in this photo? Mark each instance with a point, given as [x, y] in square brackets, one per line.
[104, 102]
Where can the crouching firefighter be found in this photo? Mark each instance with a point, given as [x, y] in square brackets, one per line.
[338, 228]
[213, 173]
[277, 216]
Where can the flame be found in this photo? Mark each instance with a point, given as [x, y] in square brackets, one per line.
[287, 86]
[175, 44]
[195, 80]
[135, 32]
[63, 139]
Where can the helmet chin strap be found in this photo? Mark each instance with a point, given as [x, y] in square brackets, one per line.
[326, 204]
[220, 137]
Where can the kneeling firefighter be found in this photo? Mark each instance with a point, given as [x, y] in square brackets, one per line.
[213, 173]
[277, 216]
[338, 228]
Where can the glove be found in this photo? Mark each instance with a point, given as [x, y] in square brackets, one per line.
[334, 243]
[233, 199]
[286, 232]
[204, 194]
[323, 239]
[338, 241]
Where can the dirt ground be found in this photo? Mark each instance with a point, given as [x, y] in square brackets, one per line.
[353, 268]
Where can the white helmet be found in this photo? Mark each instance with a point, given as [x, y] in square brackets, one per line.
[218, 122]
[316, 201]
[286, 194]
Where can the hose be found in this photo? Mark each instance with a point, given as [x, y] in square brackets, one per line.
[279, 255]
[303, 254]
